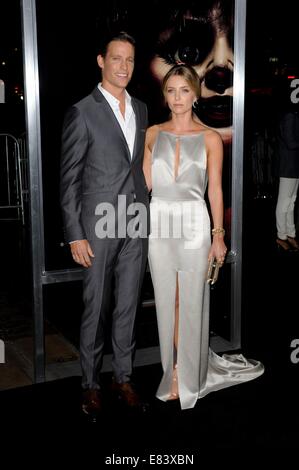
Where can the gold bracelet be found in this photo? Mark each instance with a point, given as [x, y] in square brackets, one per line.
[218, 230]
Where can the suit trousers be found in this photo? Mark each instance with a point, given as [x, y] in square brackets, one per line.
[121, 262]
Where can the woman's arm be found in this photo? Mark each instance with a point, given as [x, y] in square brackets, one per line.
[214, 148]
[147, 159]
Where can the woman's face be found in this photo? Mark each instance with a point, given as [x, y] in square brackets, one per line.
[179, 95]
[208, 49]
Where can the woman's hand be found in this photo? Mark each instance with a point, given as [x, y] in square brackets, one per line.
[218, 249]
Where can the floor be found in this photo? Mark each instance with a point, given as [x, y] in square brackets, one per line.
[252, 419]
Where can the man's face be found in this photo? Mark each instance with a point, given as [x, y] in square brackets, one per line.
[117, 66]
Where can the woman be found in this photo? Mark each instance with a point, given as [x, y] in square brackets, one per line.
[180, 156]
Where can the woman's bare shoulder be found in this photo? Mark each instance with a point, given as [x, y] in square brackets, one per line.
[152, 130]
[212, 137]
[151, 135]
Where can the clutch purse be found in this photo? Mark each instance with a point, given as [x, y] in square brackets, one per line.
[213, 271]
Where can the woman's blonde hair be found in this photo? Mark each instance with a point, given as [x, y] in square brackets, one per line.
[188, 73]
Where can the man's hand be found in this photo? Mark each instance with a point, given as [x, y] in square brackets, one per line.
[81, 252]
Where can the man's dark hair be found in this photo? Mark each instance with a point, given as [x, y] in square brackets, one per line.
[121, 36]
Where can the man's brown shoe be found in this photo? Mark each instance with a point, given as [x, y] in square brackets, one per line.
[126, 393]
[92, 402]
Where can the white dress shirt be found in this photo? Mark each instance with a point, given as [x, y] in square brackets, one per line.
[127, 123]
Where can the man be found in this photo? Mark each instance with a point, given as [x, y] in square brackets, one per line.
[102, 153]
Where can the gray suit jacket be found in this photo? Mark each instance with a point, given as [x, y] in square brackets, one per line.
[96, 165]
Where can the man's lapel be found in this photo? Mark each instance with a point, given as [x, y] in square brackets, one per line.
[99, 97]
[138, 125]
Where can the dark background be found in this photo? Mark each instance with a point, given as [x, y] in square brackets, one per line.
[259, 418]
[68, 36]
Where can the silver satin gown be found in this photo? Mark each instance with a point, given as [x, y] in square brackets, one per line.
[179, 244]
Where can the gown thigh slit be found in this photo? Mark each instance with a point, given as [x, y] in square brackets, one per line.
[174, 393]
[176, 319]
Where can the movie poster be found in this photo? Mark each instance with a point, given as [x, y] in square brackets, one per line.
[196, 33]
[199, 34]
